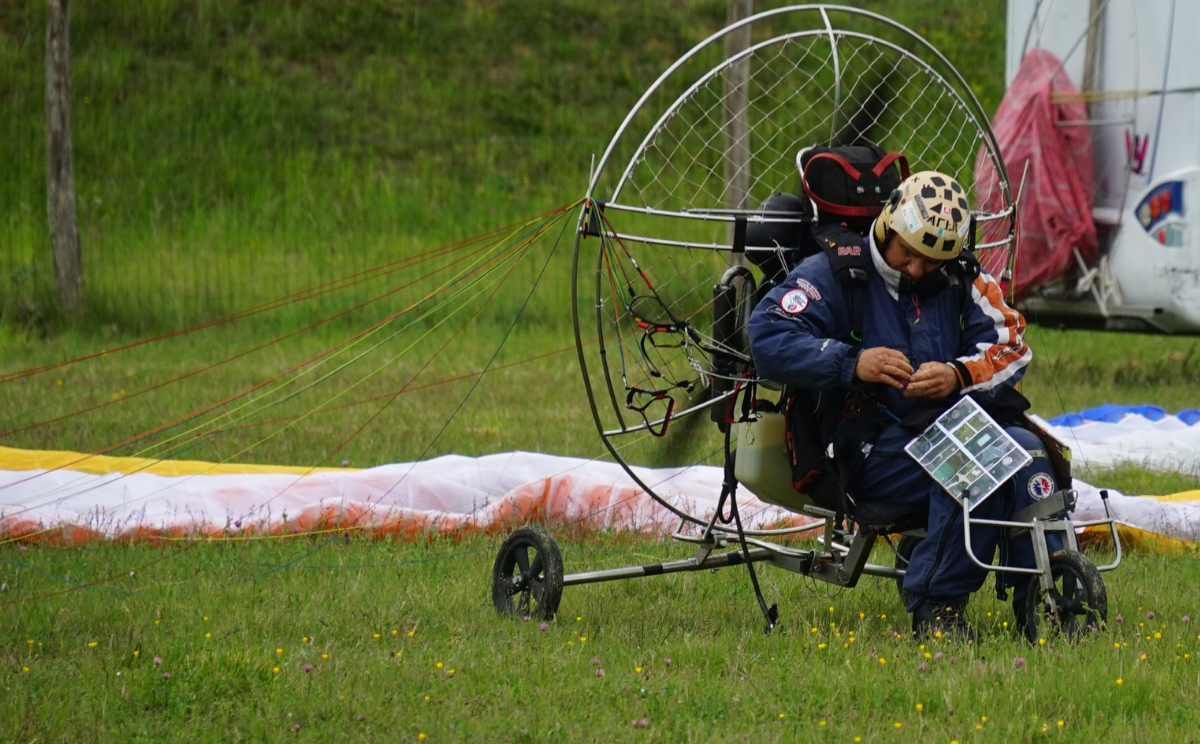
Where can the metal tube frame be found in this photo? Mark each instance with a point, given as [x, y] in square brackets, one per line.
[700, 562]
[1038, 529]
[971, 103]
[934, 62]
[840, 563]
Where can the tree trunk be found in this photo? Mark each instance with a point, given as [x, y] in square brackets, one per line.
[737, 129]
[60, 179]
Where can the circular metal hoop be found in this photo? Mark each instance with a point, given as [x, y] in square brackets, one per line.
[667, 200]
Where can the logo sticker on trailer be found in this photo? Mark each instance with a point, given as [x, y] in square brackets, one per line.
[1040, 486]
[794, 301]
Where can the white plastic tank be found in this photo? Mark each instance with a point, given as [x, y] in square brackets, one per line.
[762, 464]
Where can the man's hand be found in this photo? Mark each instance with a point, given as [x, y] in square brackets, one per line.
[932, 380]
[881, 364]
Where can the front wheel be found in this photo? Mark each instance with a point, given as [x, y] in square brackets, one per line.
[1076, 605]
[527, 578]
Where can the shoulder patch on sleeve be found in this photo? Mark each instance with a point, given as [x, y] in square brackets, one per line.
[812, 292]
[794, 301]
[1040, 486]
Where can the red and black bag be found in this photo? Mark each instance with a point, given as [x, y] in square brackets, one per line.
[850, 184]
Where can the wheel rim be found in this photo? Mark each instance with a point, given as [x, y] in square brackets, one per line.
[1075, 605]
[1069, 602]
[523, 578]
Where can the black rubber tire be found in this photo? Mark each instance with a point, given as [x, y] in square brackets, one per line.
[1080, 595]
[904, 551]
[527, 578]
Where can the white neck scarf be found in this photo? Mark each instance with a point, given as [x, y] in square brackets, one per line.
[891, 277]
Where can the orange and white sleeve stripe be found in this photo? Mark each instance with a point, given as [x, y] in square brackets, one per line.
[1002, 358]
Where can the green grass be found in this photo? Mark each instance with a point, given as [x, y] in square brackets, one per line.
[1075, 369]
[531, 399]
[237, 625]
[511, 680]
[228, 153]
[292, 390]
[231, 153]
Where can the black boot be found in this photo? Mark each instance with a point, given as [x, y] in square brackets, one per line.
[1018, 605]
[945, 619]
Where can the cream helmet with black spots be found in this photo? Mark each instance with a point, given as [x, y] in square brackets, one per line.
[929, 210]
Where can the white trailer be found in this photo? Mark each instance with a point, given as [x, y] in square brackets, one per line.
[1137, 65]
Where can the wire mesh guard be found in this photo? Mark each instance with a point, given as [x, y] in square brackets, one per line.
[657, 232]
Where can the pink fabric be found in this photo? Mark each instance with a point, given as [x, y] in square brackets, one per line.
[1056, 207]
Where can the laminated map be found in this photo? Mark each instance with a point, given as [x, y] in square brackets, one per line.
[967, 452]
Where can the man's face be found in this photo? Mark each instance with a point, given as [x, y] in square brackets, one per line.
[901, 257]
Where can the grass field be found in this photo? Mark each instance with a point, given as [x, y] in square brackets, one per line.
[309, 637]
[229, 154]
[332, 640]
[416, 391]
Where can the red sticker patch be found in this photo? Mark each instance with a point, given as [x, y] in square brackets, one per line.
[794, 301]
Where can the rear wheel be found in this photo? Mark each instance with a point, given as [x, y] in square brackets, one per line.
[527, 578]
[1075, 606]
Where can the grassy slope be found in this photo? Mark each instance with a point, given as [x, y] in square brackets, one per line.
[356, 130]
[216, 139]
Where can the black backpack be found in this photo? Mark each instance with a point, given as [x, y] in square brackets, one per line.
[843, 187]
[849, 185]
[812, 416]
[789, 242]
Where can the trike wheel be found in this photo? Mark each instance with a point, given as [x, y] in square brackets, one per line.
[1075, 605]
[527, 578]
[904, 551]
